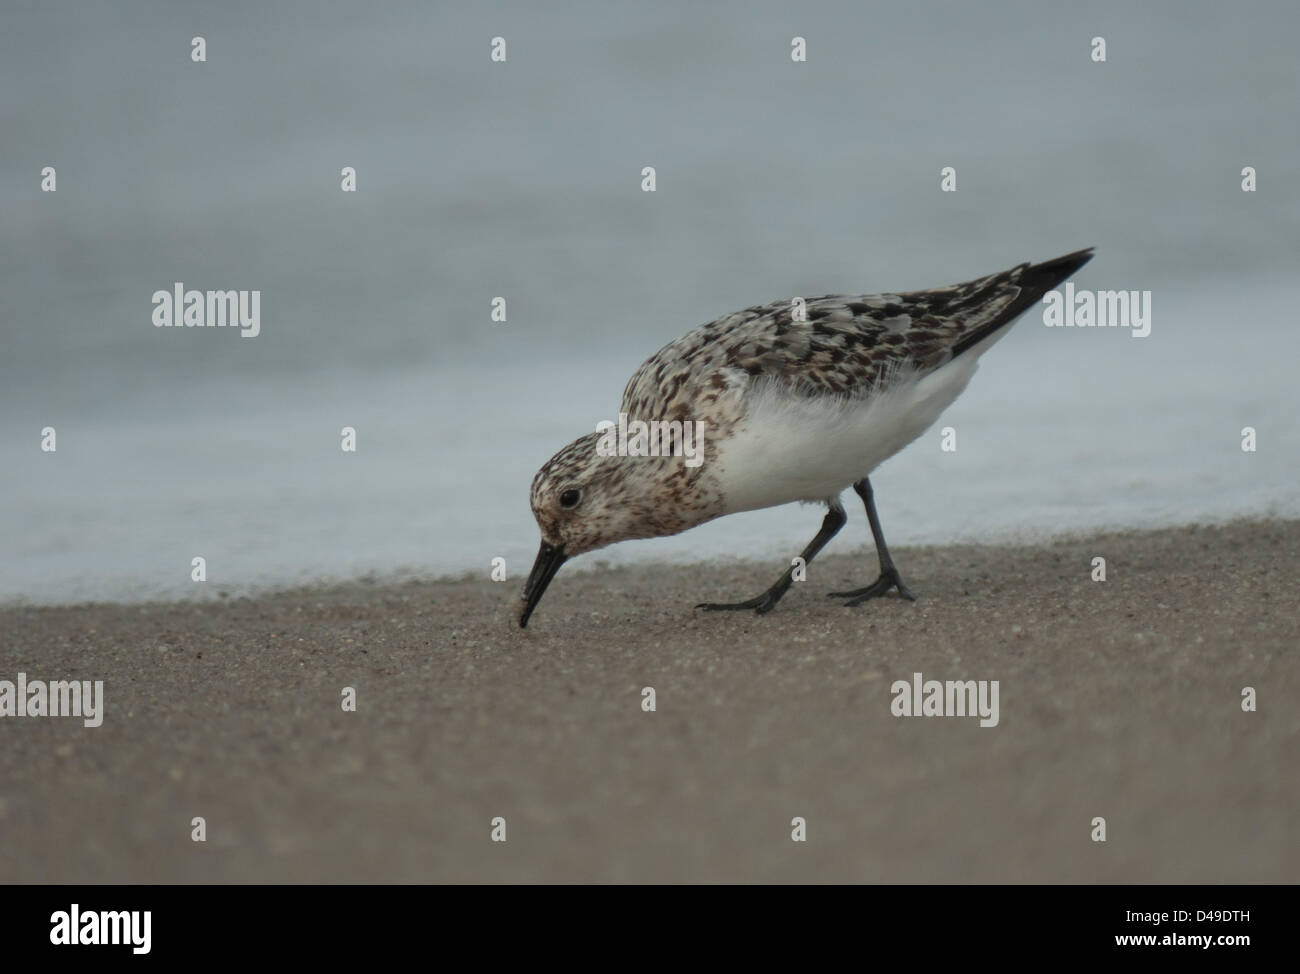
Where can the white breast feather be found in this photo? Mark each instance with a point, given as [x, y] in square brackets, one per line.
[791, 448]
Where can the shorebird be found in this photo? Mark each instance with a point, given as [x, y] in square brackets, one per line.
[798, 400]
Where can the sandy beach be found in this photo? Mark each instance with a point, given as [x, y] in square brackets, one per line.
[1118, 699]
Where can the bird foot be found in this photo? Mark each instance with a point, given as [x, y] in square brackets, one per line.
[760, 603]
[887, 580]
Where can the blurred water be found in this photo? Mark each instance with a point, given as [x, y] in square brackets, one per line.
[522, 179]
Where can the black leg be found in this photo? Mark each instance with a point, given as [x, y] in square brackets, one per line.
[831, 525]
[889, 577]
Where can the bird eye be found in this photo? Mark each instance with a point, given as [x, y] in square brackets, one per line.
[569, 499]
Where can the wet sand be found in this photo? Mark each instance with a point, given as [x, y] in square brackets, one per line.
[1118, 699]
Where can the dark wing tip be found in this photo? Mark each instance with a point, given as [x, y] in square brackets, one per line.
[1052, 272]
[1034, 280]
[1038, 279]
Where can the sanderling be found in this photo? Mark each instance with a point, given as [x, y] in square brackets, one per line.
[793, 410]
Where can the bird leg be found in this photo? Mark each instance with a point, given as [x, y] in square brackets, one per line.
[889, 577]
[831, 524]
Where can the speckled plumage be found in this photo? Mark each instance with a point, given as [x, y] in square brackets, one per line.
[794, 410]
[846, 345]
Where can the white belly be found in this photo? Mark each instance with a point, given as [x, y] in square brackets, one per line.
[796, 449]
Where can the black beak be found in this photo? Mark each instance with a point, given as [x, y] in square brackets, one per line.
[549, 560]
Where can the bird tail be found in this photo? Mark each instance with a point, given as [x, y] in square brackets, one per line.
[1034, 281]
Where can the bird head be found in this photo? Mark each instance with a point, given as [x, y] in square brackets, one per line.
[584, 499]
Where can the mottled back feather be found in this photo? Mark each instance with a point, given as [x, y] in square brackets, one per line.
[849, 345]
